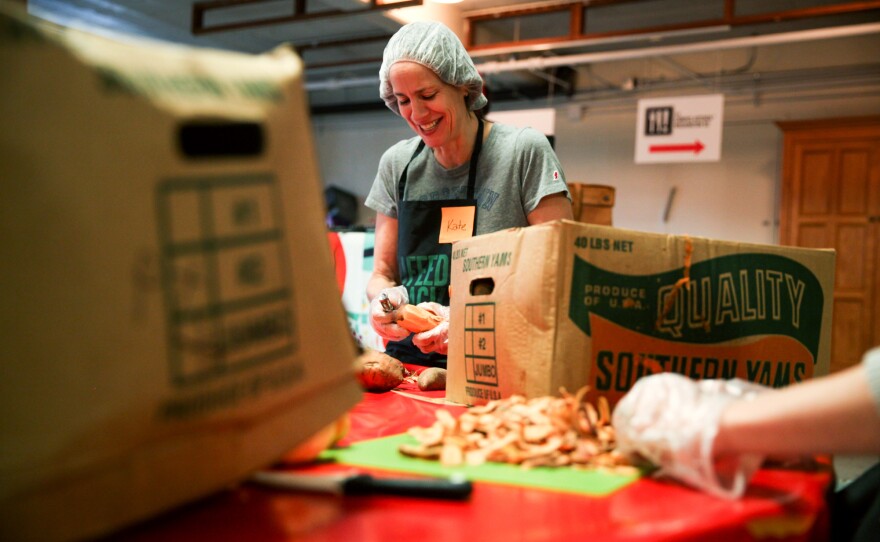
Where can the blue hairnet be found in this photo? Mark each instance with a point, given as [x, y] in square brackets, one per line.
[436, 47]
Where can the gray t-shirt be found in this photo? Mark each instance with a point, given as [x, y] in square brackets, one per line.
[516, 169]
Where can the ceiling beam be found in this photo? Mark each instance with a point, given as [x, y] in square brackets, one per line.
[300, 13]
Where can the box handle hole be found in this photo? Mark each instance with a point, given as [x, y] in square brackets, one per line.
[482, 286]
[204, 139]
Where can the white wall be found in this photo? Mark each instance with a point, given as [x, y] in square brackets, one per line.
[735, 198]
[731, 199]
[349, 148]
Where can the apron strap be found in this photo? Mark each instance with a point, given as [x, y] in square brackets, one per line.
[401, 183]
[475, 154]
[472, 168]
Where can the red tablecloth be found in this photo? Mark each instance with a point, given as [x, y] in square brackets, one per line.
[780, 505]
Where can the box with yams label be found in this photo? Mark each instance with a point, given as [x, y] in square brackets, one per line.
[567, 304]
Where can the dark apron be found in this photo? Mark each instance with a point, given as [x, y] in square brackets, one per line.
[424, 263]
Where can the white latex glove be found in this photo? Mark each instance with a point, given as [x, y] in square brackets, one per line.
[436, 339]
[672, 421]
[383, 322]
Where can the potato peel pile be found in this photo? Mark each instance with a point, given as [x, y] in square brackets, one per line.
[544, 431]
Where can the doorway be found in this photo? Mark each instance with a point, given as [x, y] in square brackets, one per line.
[831, 199]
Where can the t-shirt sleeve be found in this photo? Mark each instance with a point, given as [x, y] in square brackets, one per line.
[542, 173]
[383, 194]
[871, 361]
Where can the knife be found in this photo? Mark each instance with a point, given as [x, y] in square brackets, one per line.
[455, 487]
[387, 306]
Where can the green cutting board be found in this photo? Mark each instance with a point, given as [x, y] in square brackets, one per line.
[382, 453]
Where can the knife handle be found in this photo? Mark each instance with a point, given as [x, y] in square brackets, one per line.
[435, 488]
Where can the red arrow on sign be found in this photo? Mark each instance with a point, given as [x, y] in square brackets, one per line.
[696, 147]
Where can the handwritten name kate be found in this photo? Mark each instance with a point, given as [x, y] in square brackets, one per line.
[455, 224]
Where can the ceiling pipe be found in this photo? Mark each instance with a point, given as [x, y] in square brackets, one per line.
[589, 42]
[338, 84]
[300, 13]
[538, 63]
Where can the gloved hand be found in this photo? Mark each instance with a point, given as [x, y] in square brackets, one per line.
[672, 421]
[382, 321]
[436, 339]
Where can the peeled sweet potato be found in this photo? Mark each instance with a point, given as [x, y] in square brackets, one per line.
[378, 372]
[416, 319]
[432, 378]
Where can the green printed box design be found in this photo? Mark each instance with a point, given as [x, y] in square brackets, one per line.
[724, 299]
[479, 334]
[225, 275]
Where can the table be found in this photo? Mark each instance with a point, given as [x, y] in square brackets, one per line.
[782, 504]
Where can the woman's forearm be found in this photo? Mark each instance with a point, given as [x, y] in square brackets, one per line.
[833, 414]
[552, 207]
[384, 256]
[377, 283]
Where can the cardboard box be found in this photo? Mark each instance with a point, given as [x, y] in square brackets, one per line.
[170, 321]
[566, 304]
[592, 203]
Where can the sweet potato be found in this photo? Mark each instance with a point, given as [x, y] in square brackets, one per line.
[378, 372]
[432, 378]
[322, 440]
[416, 319]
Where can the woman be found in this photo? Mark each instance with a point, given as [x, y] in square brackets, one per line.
[460, 176]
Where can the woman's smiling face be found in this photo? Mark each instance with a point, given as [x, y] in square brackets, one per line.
[433, 109]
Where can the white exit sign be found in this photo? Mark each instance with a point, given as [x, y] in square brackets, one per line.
[680, 129]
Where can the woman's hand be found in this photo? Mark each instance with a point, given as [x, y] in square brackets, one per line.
[672, 421]
[382, 320]
[436, 339]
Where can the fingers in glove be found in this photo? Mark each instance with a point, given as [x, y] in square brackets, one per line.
[389, 331]
[396, 296]
[384, 322]
[672, 421]
[385, 326]
[433, 340]
[436, 308]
